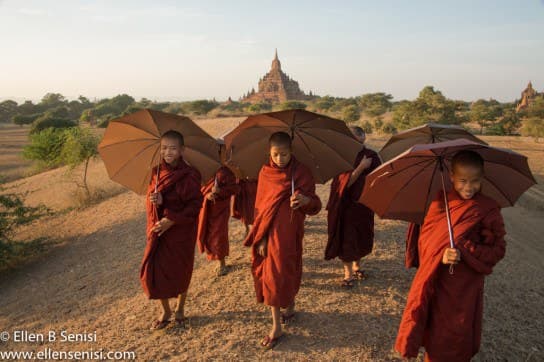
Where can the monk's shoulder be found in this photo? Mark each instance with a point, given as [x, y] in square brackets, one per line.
[486, 203]
[303, 170]
[193, 174]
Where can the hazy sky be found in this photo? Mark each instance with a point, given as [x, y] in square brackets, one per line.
[181, 50]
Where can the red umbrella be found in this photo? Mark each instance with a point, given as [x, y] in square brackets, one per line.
[427, 133]
[403, 187]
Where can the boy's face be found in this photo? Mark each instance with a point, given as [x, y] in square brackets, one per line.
[359, 137]
[171, 150]
[281, 155]
[466, 180]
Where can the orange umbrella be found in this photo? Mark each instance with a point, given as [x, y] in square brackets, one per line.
[427, 133]
[324, 144]
[131, 144]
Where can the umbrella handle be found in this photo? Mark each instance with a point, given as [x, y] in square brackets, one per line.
[447, 206]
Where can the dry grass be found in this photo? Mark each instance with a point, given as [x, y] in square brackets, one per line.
[89, 281]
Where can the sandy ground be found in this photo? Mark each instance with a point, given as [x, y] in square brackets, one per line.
[88, 281]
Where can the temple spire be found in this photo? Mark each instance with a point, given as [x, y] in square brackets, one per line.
[276, 62]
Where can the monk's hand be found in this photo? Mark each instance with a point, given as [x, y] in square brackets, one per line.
[299, 200]
[162, 225]
[451, 256]
[365, 163]
[156, 198]
[262, 247]
[216, 189]
[210, 196]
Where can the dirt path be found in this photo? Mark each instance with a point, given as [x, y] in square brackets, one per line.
[89, 282]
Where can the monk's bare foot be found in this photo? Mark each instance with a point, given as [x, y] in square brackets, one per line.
[359, 274]
[272, 338]
[162, 321]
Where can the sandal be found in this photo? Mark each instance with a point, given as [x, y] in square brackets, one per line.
[347, 283]
[158, 324]
[286, 319]
[268, 343]
[359, 274]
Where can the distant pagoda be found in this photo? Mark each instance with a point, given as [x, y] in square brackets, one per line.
[527, 97]
[276, 87]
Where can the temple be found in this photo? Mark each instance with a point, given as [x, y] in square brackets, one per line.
[527, 97]
[276, 87]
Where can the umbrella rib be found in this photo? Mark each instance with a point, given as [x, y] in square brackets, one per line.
[131, 159]
[411, 165]
[324, 142]
[154, 154]
[128, 141]
[309, 151]
[501, 192]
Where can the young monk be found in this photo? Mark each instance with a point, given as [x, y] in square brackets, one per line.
[350, 223]
[172, 214]
[444, 311]
[278, 230]
[243, 205]
[213, 223]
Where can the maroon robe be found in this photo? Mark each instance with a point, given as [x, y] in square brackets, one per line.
[277, 276]
[444, 312]
[167, 264]
[243, 205]
[350, 223]
[213, 223]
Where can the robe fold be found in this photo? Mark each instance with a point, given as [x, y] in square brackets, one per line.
[277, 276]
[213, 221]
[411, 257]
[243, 205]
[350, 224]
[444, 312]
[167, 264]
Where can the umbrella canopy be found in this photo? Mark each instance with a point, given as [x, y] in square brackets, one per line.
[403, 187]
[324, 144]
[130, 147]
[427, 133]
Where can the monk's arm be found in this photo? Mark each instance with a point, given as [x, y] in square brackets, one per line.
[191, 199]
[228, 186]
[308, 189]
[483, 254]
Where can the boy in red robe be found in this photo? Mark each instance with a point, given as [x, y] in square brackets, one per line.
[172, 214]
[278, 230]
[243, 203]
[444, 311]
[213, 223]
[350, 223]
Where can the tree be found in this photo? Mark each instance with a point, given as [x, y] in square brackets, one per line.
[51, 100]
[8, 109]
[324, 103]
[21, 119]
[202, 106]
[47, 121]
[430, 106]
[80, 146]
[351, 113]
[485, 113]
[292, 105]
[375, 104]
[533, 127]
[46, 147]
[13, 212]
